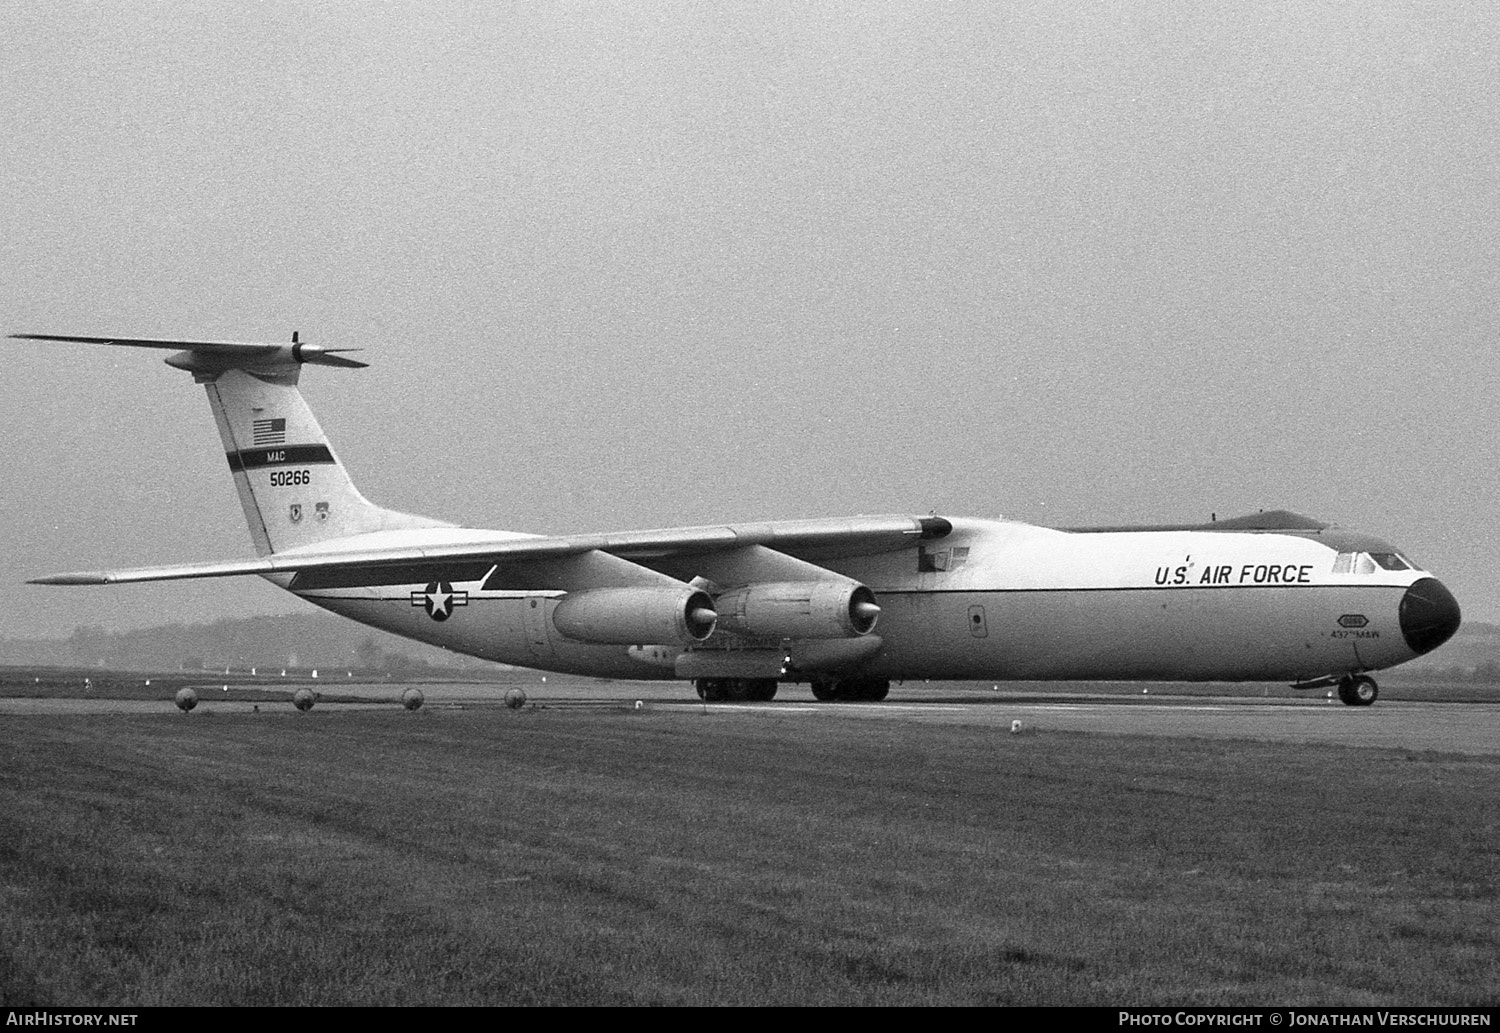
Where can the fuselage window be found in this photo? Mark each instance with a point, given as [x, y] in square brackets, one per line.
[1390, 561]
[933, 560]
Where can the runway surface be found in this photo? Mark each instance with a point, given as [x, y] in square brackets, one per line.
[1466, 728]
[1441, 727]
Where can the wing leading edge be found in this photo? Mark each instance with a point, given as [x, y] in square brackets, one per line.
[806, 539]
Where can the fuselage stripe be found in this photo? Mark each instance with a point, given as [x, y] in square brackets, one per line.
[281, 455]
[1341, 585]
[408, 581]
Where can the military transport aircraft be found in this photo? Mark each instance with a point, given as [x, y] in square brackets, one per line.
[846, 605]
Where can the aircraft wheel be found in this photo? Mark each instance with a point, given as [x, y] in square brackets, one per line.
[735, 690]
[1365, 691]
[850, 690]
[1359, 691]
[866, 690]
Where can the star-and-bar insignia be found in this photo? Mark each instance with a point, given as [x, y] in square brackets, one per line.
[439, 599]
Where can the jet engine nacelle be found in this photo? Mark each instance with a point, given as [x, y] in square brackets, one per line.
[632, 616]
[799, 609]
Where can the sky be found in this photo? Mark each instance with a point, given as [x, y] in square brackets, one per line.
[629, 265]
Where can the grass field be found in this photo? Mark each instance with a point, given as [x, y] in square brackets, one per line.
[592, 855]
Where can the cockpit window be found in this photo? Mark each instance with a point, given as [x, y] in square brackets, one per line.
[1369, 562]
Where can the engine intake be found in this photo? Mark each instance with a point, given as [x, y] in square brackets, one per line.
[635, 616]
[799, 609]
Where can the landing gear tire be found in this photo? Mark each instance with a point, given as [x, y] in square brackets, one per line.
[1358, 690]
[763, 690]
[850, 690]
[736, 690]
[868, 690]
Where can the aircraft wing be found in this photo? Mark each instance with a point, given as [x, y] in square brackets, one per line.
[805, 539]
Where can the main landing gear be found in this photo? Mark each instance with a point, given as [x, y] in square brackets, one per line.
[736, 690]
[1358, 690]
[850, 690]
[763, 690]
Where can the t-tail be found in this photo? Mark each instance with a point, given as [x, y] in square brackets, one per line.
[292, 487]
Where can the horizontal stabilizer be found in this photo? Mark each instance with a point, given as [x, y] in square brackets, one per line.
[223, 353]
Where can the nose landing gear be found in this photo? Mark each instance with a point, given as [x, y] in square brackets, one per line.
[1358, 690]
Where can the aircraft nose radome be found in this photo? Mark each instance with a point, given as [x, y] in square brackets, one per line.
[1429, 615]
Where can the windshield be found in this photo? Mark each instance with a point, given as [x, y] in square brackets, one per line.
[1369, 562]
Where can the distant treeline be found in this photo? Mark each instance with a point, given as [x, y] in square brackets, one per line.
[1487, 673]
[294, 641]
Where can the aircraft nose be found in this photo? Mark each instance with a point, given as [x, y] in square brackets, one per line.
[1429, 615]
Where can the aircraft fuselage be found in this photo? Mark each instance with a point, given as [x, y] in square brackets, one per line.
[1005, 600]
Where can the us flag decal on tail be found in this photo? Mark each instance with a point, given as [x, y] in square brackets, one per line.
[270, 432]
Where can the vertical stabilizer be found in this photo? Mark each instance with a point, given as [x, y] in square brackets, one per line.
[292, 487]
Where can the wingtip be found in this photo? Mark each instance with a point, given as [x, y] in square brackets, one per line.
[328, 358]
[71, 579]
